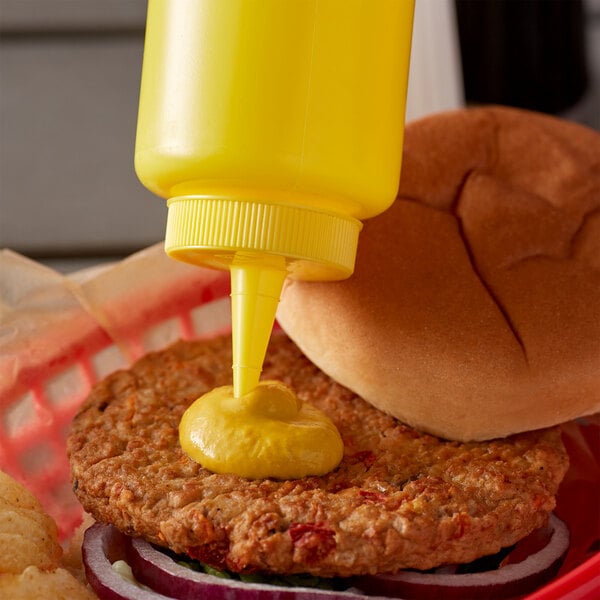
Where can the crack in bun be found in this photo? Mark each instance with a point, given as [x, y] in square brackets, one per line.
[474, 309]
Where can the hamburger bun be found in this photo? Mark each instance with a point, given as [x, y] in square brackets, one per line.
[474, 309]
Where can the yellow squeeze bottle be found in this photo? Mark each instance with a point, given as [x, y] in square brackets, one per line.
[272, 127]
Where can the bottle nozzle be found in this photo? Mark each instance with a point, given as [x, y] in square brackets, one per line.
[256, 284]
[265, 240]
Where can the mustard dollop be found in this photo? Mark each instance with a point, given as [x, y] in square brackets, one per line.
[266, 433]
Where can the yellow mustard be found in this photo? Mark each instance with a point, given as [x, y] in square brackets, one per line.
[272, 128]
[267, 433]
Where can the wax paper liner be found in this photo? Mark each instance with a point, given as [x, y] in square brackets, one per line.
[59, 335]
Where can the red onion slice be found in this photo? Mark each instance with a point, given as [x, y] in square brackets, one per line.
[160, 572]
[103, 545]
[514, 579]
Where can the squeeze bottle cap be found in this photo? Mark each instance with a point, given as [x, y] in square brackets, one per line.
[261, 243]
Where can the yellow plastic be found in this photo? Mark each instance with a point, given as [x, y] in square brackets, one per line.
[269, 432]
[256, 283]
[267, 243]
[273, 127]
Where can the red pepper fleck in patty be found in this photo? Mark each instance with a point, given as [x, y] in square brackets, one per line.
[312, 541]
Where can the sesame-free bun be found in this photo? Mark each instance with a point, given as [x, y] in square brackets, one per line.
[474, 309]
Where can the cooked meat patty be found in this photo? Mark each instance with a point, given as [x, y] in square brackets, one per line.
[399, 499]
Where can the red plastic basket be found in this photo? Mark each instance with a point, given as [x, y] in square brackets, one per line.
[62, 335]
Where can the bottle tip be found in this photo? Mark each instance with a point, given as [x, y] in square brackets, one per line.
[256, 286]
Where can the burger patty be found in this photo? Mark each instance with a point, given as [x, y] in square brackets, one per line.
[399, 499]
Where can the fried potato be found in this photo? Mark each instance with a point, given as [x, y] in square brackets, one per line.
[18, 552]
[39, 534]
[42, 585]
[32, 564]
[28, 536]
[16, 495]
[37, 524]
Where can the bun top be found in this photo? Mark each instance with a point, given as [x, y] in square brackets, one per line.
[474, 309]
